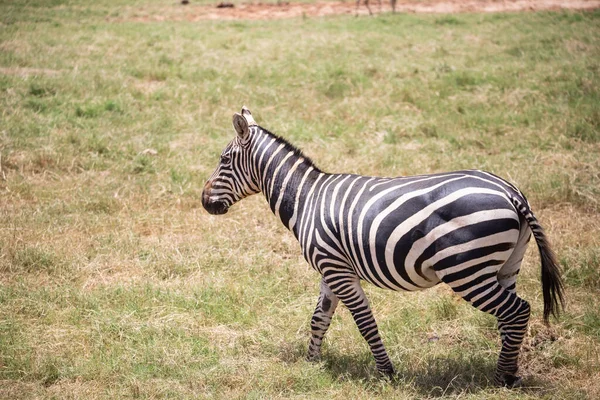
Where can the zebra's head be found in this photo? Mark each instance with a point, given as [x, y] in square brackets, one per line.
[232, 180]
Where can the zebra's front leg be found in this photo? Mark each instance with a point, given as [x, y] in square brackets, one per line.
[320, 321]
[346, 287]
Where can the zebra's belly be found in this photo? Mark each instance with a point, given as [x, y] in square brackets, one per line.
[429, 281]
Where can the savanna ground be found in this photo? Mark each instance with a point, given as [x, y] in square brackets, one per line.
[115, 283]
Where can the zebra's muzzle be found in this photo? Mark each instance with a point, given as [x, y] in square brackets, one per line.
[213, 207]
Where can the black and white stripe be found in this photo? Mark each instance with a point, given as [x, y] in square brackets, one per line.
[469, 229]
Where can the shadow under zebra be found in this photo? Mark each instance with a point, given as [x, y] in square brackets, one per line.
[431, 376]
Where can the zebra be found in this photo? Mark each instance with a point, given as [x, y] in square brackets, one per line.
[468, 229]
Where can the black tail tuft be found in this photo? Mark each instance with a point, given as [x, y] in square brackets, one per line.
[552, 285]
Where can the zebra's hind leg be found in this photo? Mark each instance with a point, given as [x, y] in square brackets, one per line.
[346, 287]
[507, 275]
[512, 313]
[320, 321]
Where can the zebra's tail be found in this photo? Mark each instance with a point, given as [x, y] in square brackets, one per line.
[552, 284]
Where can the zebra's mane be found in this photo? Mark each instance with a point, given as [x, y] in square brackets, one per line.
[291, 147]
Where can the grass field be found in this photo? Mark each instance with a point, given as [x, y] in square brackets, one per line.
[115, 283]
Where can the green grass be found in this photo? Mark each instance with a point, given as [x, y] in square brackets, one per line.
[114, 282]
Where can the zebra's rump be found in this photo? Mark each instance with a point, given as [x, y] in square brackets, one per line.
[407, 233]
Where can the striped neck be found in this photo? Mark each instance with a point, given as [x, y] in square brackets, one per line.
[284, 175]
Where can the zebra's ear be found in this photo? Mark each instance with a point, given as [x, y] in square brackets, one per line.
[248, 115]
[240, 124]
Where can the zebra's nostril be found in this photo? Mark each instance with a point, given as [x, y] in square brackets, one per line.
[216, 207]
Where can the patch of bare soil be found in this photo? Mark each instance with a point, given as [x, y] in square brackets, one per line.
[260, 11]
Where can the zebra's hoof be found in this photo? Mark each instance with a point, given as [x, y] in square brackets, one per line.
[387, 372]
[508, 380]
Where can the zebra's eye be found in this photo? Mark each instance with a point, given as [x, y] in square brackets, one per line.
[225, 159]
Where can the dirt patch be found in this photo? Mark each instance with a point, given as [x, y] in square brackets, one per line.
[191, 12]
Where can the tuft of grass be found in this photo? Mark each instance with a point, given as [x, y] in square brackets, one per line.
[89, 111]
[586, 129]
[445, 309]
[39, 90]
[143, 164]
[580, 268]
[32, 260]
[448, 20]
